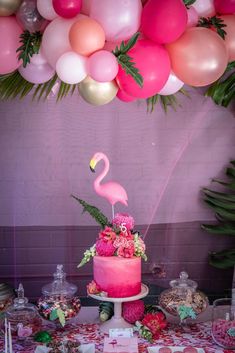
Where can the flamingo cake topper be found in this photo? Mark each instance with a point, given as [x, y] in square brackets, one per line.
[111, 190]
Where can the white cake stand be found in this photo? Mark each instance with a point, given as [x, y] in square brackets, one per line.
[117, 320]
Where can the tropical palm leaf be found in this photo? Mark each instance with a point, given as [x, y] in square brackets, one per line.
[224, 183]
[220, 229]
[224, 259]
[219, 195]
[230, 216]
[229, 206]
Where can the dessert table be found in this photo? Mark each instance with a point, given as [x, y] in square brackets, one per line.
[85, 328]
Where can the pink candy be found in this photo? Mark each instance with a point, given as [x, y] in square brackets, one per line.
[220, 333]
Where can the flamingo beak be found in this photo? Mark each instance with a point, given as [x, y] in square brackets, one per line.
[92, 165]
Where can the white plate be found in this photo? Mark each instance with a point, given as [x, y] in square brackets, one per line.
[155, 349]
[87, 348]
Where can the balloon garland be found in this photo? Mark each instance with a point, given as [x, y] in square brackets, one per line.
[126, 49]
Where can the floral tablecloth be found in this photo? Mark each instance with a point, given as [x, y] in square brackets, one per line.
[198, 335]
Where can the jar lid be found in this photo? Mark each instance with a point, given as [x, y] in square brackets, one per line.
[183, 281]
[20, 303]
[59, 286]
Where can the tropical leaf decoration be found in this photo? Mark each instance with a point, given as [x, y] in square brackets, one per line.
[126, 62]
[30, 45]
[223, 204]
[188, 3]
[165, 101]
[213, 22]
[222, 91]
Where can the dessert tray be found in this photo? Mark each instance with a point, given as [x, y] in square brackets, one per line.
[174, 349]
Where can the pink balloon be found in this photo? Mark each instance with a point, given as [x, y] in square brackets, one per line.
[46, 9]
[204, 8]
[193, 17]
[9, 42]
[199, 57]
[37, 71]
[119, 19]
[164, 21]
[102, 66]
[124, 97]
[173, 85]
[67, 8]
[229, 21]
[71, 67]
[153, 63]
[86, 7]
[225, 7]
[55, 39]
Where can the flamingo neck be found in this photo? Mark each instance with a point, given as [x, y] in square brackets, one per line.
[103, 173]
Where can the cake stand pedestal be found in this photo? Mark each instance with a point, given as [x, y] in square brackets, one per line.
[117, 320]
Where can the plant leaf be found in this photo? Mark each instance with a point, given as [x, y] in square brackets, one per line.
[94, 212]
[220, 229]
[229, 206]
[188, 3]
[224, 259]
[228, 185]
[53, 315]
[61, 316]
[219, 195]
[30, 46]
[214, 22]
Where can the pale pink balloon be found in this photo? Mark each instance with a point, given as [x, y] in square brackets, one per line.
[86, 7]
[199, 57]
[110, 46]
[204, 8]
[102, 66]
[229, 20]
[37, 73]
[55, 39]
[38, 59]
[120, 19]
[173, 85]
[124, 97]
[164, 21]
[9, 42]
[193, 17]
[71, 67]
[46, 9]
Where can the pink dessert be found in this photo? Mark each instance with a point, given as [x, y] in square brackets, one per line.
[119, 277]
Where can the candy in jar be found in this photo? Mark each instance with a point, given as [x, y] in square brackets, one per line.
[183, 294]
[59, 303]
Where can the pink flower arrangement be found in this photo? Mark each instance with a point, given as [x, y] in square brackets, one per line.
[122, 220]
[107, 234]
[133, 311]
[105, 248]
[155, 322]
[93, 288]
[126, 251]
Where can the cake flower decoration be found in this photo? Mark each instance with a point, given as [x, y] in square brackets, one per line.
[116, 238]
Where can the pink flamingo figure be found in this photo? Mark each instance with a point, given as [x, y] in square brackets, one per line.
[112, 191]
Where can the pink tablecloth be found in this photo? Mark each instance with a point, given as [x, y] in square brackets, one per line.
[86, 330]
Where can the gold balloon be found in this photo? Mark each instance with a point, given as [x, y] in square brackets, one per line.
[97, 93]
[8, 7]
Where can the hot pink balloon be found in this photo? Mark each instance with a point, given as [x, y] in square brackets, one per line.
[193, 17]
[225, 7]
[102, 66]
[37, 73]
[67, 8]
[119, 19]
[46, 9]
[153, 63]
[164, 21]
[55, 39]
[124, 97]
[173, 85]
[111, 190]
[205, 8]
[9, 42]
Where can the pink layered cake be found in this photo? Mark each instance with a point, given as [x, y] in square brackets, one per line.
[119, 277]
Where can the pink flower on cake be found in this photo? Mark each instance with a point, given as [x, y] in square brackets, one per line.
[120, 242]
[126, 251]
[107, 234]
[93, 288]
[105, 248]
[122, 220]
[127, 235]
[133, 311]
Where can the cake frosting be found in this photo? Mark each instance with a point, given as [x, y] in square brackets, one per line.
[119, 277]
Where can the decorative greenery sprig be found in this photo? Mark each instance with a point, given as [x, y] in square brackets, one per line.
[30, 45]
[126, 61]
[165, 101]
[58, 314]
[188, 3]
[222, 91]
[94, 212]
[213, 22]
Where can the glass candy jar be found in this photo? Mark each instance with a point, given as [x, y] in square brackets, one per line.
[7, 296]
[59, 303]
[223, 325]
[23, 316]
[183, 299]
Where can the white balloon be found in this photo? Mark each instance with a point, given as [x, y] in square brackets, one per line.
[173, 85]
[205, 8]
[46, 9]
[71, 67]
